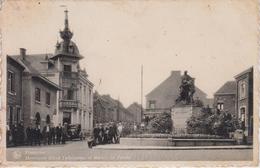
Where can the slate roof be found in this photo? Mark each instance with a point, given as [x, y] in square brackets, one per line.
[31, 70]
[38, 61]
[228, 88]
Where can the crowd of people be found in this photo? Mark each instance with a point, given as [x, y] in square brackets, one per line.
[107, 133]
[34, 135]
[17, 135]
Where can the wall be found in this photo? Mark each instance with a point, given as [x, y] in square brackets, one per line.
[14, 99]
[229, 101]
[41, 107]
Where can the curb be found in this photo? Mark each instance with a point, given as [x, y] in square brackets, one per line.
[175, 148]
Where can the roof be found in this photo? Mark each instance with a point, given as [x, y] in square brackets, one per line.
[228, 88]
[38, 60]
[31, 70]
[72, 51]
[249, 70]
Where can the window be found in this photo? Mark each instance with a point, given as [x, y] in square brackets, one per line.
[242, 116]
[220, 106]
[242, 113]
[10, 115]
[11, 82]
[38, 94]
[67, 68]
[70, 94]
[242, 89]
[48, 98]
[152, 104]
[18, 114]
[89, 97]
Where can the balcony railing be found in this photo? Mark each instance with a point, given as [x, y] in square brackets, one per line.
[69, 74]
[68, 104]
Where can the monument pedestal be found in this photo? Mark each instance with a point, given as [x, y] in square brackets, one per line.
[180, 115]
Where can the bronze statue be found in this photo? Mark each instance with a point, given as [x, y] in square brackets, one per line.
[187, 89]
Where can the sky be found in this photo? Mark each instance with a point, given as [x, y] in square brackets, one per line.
[212, 40]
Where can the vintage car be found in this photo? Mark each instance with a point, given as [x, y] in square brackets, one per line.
[74, 132]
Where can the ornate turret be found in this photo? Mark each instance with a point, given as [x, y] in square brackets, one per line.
[66, 47]
[66, 34]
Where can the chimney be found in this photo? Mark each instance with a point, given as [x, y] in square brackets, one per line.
[175, 73]
[23, 53]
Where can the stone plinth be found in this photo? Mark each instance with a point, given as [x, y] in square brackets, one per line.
[180, 115]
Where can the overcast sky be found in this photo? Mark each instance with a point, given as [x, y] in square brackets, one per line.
[213, 40]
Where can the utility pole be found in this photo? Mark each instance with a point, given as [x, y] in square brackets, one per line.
[142, 115]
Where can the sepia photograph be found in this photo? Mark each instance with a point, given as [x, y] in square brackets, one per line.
[146, 83]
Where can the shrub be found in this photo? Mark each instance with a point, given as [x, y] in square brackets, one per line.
[214, 123]
[161, 124]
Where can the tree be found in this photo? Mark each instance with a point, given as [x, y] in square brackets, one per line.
[161, 123]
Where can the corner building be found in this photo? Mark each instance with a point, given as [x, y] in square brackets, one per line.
[76, 99]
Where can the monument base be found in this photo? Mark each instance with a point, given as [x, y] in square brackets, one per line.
[180, 115]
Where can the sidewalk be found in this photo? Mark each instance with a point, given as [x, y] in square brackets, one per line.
[129, 147]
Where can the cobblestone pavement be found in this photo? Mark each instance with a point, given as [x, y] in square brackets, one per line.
[79, 151]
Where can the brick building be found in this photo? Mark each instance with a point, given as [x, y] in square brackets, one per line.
[38, 93]
[107, 109]
[225, 98]
[135, 109]
[244, 100]
[14, 92]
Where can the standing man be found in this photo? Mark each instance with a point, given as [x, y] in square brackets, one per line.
[95, 133]
[29, 134]
[38, 135]
[59, 133]
[52, 134]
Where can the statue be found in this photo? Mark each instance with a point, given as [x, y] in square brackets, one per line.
[187, 89]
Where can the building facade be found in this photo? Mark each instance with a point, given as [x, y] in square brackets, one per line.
[63, 67]
[135, 110]
[244, 104]
[14, 92]
[225, 98]
[38, 93]
[107, 109]
[75, 100]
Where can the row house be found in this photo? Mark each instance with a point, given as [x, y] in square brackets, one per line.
[236, 98]
[244, 102]
[14, 92]
[107, 109]
[135, 109]
[225, 98]
[36, 94]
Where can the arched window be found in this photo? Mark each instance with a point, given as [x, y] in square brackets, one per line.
[48, 119]
[37, 118]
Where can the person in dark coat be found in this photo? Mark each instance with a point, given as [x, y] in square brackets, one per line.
[46, 134]
[20, 135]
[101, 134]
[96, 133]
[58, 133]
[29, 135]
[64, 133]
[14, 132]
[38, 135]
[52, 135]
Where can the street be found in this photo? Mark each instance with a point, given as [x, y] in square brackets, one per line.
[79, 151]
